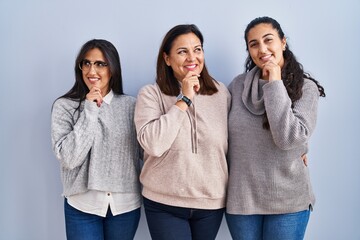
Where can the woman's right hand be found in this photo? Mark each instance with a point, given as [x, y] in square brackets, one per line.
[190, 85]
[271, 71]
[94, 95]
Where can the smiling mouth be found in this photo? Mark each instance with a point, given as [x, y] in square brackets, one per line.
[266, 57]
[191, 67]
[93, 80]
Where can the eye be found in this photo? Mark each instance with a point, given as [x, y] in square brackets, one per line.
[100, 64]
[182, 52]
[86, 63]
[253, 44]
[268, 40]
[198, 49]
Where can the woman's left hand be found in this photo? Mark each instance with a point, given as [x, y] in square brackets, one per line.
[305, 160]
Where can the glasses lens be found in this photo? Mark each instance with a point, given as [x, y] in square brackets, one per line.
[99, 66]
[85, 65]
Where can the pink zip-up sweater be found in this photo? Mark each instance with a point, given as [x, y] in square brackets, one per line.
[184, 151]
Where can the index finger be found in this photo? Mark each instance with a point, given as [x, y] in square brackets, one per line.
[192, 74]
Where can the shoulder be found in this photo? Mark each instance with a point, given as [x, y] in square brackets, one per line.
[309, 83]
[65, 103]
[149, 88]
[238, 80]
[150, 91]
[123, 102]
[222, 89]
[310, 86]
[221, 86]
[124, 98]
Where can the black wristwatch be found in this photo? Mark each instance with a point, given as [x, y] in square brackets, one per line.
[181, 97]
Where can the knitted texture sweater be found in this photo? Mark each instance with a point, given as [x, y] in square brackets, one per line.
[96, 146]
[267, 174]
[184, 151]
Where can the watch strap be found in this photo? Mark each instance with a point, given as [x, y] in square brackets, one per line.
[186, 100]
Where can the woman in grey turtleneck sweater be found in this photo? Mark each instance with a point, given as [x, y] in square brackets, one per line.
[272, 116]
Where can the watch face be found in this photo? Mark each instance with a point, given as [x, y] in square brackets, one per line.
[179, 97]
[186, 100]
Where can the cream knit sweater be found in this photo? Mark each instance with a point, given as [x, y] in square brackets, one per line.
[185, 151]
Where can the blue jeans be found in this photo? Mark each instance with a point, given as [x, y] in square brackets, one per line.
[290, 226]
[176, 223]
[85, 226]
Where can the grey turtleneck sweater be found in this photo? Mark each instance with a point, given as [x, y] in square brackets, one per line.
[267, 174]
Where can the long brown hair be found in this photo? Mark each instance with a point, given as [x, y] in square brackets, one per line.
[164, 74]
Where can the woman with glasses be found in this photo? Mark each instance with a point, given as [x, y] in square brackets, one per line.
[181, 122]
[94, 139]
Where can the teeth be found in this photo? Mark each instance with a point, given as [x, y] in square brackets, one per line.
[191, 66]
[266, 57]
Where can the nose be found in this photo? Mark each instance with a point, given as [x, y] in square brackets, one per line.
[92, 69]
[262, 48]
[190, 56]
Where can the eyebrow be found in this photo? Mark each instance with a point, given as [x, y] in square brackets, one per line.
[101, 61]
[268, 34]
[184, 48]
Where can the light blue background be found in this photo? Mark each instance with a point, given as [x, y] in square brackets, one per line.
[39, 43]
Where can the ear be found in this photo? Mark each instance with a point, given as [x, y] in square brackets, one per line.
[166, 59]
[283, 43]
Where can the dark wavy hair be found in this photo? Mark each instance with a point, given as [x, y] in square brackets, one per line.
[292, 73]
[79, 90]
[165, 78]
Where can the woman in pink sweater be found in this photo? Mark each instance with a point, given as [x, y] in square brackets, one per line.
[181, 123]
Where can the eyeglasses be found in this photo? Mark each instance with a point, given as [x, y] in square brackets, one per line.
[100, 66]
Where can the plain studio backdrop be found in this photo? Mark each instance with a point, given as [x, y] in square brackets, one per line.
[40, 40]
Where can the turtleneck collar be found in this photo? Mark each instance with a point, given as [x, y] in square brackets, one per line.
[253, 96]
